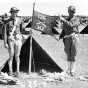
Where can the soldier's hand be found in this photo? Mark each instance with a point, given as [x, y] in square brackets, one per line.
[56, 38]
[6, 45]
[62, 19]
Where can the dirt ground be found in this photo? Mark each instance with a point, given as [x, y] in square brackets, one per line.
[37, 81]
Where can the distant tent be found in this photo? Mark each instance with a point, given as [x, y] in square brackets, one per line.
[3, 54]
[85, 30]
[40, 60]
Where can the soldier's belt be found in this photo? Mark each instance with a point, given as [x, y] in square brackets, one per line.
[71, 35]
[16, 37]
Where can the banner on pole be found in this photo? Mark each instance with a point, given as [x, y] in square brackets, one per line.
[44, 23]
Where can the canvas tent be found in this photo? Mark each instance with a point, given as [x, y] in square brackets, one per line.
[41, 59]
[48, 54]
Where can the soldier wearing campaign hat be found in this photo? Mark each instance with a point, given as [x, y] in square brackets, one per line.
[13, 38]
[14, 9]
[69, 34]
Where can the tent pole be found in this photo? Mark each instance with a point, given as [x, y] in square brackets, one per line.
[30, 56]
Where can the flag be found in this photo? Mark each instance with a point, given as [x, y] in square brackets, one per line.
[44, 23]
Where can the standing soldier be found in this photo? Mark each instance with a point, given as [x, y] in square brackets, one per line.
[69, 35]
[13, 38]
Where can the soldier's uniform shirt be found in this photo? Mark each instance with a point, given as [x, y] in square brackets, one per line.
[70, 43]
[17, 24]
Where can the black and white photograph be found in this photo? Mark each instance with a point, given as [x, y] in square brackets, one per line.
[43, 44]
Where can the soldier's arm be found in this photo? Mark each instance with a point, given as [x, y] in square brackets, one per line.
[62, 34]
[24, 24]
[5, 36]
[70, 23]
[66, 22]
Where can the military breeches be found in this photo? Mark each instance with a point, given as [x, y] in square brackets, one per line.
[14, 47]
[70, 47]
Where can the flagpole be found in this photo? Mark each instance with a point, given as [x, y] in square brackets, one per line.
[31, 51]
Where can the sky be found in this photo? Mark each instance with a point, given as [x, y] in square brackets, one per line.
[49, 7]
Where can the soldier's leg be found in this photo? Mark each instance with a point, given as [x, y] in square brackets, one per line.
[11, 55]
[73, 53]
[67, 47]
[18, 45]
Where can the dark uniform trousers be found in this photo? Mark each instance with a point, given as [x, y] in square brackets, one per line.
[70, 47]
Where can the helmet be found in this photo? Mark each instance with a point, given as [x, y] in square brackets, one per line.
[71, 9]
[14, 9]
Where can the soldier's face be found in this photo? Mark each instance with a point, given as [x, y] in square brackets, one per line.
[13, 14]
[71, 13]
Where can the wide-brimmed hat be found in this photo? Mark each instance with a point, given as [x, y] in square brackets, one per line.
[14, 9]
